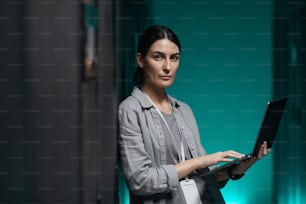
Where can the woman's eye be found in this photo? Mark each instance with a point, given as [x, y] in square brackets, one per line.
[157, 57]
[175, 58]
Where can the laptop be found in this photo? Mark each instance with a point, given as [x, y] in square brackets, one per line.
[267, 132]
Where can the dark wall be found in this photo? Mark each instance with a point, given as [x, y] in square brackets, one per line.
[51, 113]
[11, 98]
[58, 133]
[289, 79]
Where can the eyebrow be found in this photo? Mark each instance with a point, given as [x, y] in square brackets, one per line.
[158, 52]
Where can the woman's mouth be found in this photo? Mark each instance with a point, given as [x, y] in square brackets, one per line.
[165, 77]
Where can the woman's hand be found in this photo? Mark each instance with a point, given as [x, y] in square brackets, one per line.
[245, 165]
[188, 166]
[217, 157]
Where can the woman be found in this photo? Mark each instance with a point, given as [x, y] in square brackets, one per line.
[159, 139]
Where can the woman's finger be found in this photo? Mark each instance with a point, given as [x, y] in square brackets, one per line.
[233, 154]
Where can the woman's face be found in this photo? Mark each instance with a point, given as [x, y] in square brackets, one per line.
[160, 64]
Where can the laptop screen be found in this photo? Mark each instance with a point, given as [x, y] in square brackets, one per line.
[270, 123]
[267, 132]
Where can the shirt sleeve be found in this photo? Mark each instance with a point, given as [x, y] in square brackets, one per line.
[143, 178]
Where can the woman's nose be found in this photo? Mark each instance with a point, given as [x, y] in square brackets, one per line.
[167, 66]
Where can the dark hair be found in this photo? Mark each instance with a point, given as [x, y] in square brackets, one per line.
[148, 37]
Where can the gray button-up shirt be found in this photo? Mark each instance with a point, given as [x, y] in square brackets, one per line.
[143, 150]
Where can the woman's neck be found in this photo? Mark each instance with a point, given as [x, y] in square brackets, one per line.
[156, 95]
[159, 98]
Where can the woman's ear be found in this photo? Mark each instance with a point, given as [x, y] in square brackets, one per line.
[139, 60]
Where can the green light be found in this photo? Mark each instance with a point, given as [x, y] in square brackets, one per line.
[233, 198]
[91, 15]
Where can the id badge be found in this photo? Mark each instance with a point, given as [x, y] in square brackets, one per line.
[191, 192]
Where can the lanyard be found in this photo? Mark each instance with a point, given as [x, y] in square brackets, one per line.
[182, 156]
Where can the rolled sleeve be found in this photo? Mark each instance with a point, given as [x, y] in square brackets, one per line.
[172, 176]
[154, 180]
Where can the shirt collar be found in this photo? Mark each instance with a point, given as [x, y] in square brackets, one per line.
[145, 103]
